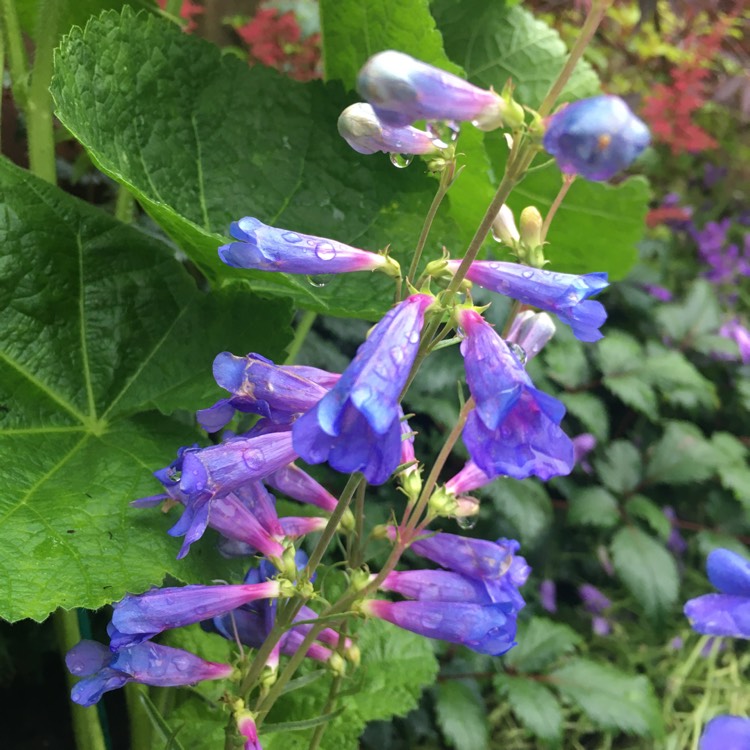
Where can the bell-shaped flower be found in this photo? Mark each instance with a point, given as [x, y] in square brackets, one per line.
[258, 386]
[596, 137]
[246, 727]
[138, 618]
[402, 90]
[360, 127]
[727, 613]
[564, 294]
[726, 733]
[474, 602]
[265, 248]
[514, 429]
[299, 485]
[147, 663]
[356, 425]
[471, 477]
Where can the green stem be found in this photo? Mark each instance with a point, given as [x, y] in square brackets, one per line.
[86, 727]
[173, 7]
[139, 720]
[590, 25]
[17, 62]
[124, 205]
[446, 178]
[333, 694]
[39, 106]
[300, 334]
[568, 180]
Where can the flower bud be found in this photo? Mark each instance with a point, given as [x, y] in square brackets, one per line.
[359, 126]
[531, 227]
[337, 665]
[531, 331]
[504, 227]
[595, 137]
[442, 503]
[402, 90]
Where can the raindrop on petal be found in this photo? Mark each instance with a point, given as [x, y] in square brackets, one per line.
[401, 161]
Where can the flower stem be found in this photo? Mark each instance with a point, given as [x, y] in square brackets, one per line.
[446, 179]
[39, 105]
[17, 62]
[590, 25]
[300, 334]
[568, 180]
[86, 727]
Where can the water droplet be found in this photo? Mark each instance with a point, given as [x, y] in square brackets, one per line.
[413, 337]
[397, 355]
[446, 131]
[325, 251]
[454, 129]
[494, 266]
[467, 522]
[291, 237]
[318, 281]
[527, 274]
[518, 351]
[401, 161]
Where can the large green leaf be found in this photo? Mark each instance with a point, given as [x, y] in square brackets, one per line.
[202, 140]
[461, 715]
[541, 642]
[533, 703]
[98, 323]
[598, 225]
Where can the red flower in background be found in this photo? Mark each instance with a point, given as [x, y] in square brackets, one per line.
[188, 11]
[275, 39]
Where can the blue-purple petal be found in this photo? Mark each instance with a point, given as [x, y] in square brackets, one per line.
[729, 572]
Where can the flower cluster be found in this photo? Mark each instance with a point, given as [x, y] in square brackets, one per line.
[354, 421]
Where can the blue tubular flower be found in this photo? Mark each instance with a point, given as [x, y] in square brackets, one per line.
[514, 429]
[147, 663]
[726, 733]
[727, 613]
[355, 427]
[402, 90]
[360, 128]
[487, 629]
[258, 386]
[595, 137]
[220, 469]
[299, 485]
[265, 248]
[564, 294]
[137, 618]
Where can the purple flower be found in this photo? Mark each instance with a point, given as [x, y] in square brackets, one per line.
[676, 543]
[548, 595]
[359, 126]
[596, 137]
[147, 663]
[726, 733]
[735, 331]
[258, 386]
[246, 727]
[471, 477]
[583, 444]
[531, 331]
[265, 248]
[658, 292]
[514, 429]
[299, 485]
[564, 294]
[596, 603]
[727, 613]
[475, 602]
[138, 618]
[356, 426]
[402, 90]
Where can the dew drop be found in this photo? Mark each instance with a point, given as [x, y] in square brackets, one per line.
[325, 251]
[466, 522]
[518, 351]
[413, 337]
[527, 274]
[291, 237]
[401, 161]
[318, 281]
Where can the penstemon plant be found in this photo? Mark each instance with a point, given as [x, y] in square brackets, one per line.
[299, 585]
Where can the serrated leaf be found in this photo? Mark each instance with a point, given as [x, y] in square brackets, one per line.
[640, 506]
[540, 643]
[610, 698]
[461, 715]
[98, 324]
[732, 464]
[698, 315]
[682, 455]
[593, 506]
[534, 705]
[647, 569]
[494, 42]
[635, 392]
[618, 353]
[591, 412]
[620, 467]
[678, 380]
[525, 504]
[566, 362]
[202, 140]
